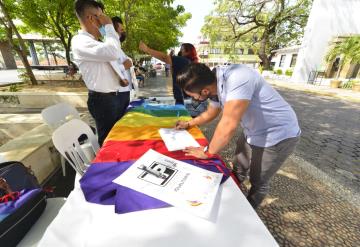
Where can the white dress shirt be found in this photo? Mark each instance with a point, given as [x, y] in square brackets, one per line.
[127, 73]
[96, 60]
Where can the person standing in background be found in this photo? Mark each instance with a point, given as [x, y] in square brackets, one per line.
[95, 60]
[186, 55]
[124, 91]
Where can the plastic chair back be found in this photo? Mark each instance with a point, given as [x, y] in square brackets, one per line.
[58, 114]
[66, 141]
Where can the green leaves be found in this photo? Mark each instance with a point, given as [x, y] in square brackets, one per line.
[155, 22]
[264, 25]
[347, 49]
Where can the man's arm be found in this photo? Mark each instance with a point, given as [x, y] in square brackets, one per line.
[210, 114]
[154, 53]
[233, 112]
[93, 50]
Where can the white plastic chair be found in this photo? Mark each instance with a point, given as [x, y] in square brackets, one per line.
[66, 141]
[56, 115]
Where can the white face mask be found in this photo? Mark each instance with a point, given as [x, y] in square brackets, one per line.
[102, 31]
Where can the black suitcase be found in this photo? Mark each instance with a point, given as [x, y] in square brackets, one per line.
[22, 202]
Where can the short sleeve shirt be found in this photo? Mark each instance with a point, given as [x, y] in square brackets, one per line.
[269, 119]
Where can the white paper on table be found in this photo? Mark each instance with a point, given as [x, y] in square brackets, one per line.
[177, 139]
[184, 186]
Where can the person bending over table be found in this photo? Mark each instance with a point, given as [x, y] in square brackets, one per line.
[270, 126]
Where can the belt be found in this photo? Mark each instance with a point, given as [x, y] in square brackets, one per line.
[104, 94]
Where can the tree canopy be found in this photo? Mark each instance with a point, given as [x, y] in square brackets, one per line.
[348, 50]
[9, 32]
[266, 24]
[155, 22]
[55, 18]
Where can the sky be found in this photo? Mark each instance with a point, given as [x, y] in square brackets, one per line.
[199, 9]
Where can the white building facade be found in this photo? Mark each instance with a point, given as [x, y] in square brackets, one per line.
[285, 59]
[328, 19]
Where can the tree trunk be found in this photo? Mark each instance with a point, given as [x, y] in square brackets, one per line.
[67, 46]
[21, 48]
[67, 49]
[28, 68]
[67, 54]
[262, 51]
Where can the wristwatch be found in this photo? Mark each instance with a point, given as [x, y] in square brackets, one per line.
[209, 155]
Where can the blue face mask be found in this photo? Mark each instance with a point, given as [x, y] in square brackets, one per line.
[102, 31]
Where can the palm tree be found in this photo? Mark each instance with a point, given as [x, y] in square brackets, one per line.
[348, 50]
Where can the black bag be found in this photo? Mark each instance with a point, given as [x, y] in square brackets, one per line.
[22, 201]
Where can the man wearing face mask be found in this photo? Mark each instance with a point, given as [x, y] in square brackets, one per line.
[270, 126]
[129, 74]
[97, 64]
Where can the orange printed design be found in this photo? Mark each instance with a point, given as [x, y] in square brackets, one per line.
[208, 177]
[195, 203]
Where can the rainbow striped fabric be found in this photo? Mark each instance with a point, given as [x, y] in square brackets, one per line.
[129, 139]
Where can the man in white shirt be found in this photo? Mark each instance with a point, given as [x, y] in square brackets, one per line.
[270, 126]
[97, 64]
[118, 26]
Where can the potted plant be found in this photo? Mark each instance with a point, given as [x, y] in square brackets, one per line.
[346, 51]
[356, 86]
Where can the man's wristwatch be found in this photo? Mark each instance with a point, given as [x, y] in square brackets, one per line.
[209, 155]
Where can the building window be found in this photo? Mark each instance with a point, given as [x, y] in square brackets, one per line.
[250, 52]
[282, 61]
[293, 60]
[215, 51]
[239, 51]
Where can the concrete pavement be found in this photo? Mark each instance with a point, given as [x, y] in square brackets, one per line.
[12, 76]
[312, 198]
[311, 202]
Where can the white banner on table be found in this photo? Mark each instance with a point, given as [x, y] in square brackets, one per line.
[177, 139]
[175, 182]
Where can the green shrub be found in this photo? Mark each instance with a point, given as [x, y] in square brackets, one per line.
[14, 88]
[23, 75]
[348, 84]
[288, 72]
[279, 72]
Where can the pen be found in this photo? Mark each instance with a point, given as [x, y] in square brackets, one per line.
[152, 172]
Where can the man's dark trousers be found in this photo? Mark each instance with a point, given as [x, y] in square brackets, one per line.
[107, 109]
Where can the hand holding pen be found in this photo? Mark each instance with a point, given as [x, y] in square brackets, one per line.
[182, 125]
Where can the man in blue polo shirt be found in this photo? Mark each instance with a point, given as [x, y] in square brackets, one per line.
[270, 126]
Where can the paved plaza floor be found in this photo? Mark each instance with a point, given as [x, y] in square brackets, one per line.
[314, 197]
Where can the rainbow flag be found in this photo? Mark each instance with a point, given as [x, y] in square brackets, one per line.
[129, 139]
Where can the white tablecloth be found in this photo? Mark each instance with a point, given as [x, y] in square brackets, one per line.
[235, 223]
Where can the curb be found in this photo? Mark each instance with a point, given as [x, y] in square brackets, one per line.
[310, 91]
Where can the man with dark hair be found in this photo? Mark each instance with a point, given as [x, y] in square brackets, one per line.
[270, 126]
[176, 64]
[96, 61]
[119, 27]
[129, 74]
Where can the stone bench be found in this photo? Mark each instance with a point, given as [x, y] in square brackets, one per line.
[42, 100]
[35, 149]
